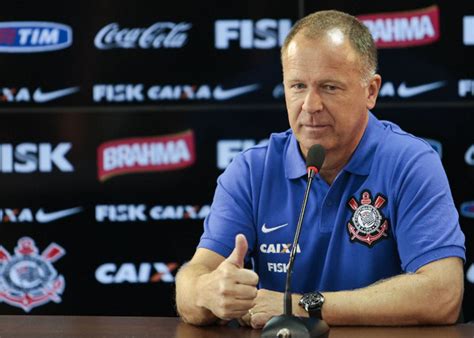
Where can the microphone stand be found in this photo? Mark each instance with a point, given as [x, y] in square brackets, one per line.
[287, 325]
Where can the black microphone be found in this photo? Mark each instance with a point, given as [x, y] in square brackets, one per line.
[287, 325]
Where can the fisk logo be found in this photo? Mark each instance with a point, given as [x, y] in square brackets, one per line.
[436, 145]
[403, 29]
[143, 213]
[26, 215]
[30, 157]
[468, 30]
[111, 273]
[466, 87]
[470, 274]
[138, 92]
[469, 156]
[249, 34]
[227, 149]
[146, 154]
[23, 94]
[33, 36]
[467, 209]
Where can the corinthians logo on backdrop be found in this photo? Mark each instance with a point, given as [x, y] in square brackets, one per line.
[145, 154]
[27, 279]
[367, 225]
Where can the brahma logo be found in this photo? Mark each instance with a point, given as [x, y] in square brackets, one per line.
[403, 29]
[27, 279]
[33, 36]
[467, 209]
[111, 273]
[143, 213]
[158, 35]
[146, 154]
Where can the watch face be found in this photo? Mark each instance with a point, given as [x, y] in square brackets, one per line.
[313, 300]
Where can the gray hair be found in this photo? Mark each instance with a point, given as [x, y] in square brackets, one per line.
[316, 24]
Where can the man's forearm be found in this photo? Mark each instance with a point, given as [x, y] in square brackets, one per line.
[186, 296]
[408, 299]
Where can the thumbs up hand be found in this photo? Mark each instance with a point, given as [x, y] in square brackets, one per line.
[230, 290]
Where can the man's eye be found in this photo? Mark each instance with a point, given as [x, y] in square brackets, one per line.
[298, 86]
[330, 88]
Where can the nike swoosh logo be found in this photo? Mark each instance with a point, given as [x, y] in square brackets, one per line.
[266, 230]
[42, 97]
[225, 94]
[404, 91]
[470, 274]
[46, 217]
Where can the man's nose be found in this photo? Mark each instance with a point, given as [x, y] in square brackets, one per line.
[312, 102]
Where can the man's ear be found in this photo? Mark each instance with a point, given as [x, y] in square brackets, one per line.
[373, 90]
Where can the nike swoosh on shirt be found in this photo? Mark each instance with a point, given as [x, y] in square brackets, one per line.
[225, 94]
[46, 217]
[404, 91]
[41, 97]
[266, 230]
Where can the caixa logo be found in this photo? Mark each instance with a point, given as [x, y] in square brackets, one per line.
[33, 36]
[28, 279]
[111, 273]
[467, 209]
[31, 157]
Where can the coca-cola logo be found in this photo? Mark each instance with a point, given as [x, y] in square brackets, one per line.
[158, 35]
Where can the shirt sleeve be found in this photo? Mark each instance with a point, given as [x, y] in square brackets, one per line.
[231, 211]
[427, 227]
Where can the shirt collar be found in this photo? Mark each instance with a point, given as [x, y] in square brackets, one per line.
[360, 162]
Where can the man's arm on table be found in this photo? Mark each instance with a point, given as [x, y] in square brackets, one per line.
[211, 287]
[431, 295]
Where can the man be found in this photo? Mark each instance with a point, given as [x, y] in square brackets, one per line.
[380, 243]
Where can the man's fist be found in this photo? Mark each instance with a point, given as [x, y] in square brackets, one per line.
[229, 291]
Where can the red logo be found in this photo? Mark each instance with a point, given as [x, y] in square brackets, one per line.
[27, 279]
[367, 224]
[145, 154]
[403, 29]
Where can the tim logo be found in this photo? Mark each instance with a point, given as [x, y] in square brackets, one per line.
[28, 279]
[33, 36]
[145, 154]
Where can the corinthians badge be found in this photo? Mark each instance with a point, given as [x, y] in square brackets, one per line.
[27, 279]
[367, 225]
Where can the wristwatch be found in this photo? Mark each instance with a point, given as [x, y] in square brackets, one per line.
[313, 303]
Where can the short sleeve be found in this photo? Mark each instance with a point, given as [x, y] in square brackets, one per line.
[231, 210]
[427, 227]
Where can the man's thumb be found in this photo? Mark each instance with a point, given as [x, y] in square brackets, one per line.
[238, 255]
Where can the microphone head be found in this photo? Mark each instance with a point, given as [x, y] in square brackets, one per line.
[315, 157]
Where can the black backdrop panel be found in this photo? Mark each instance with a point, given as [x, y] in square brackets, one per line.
[166, 94]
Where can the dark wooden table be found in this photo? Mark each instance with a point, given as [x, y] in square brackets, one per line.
[135, 327]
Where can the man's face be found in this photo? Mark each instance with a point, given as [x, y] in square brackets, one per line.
[326, 99]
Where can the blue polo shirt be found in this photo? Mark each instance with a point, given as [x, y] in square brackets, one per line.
[389, 211]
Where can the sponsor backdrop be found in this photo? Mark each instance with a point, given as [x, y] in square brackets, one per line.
[117, 118]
